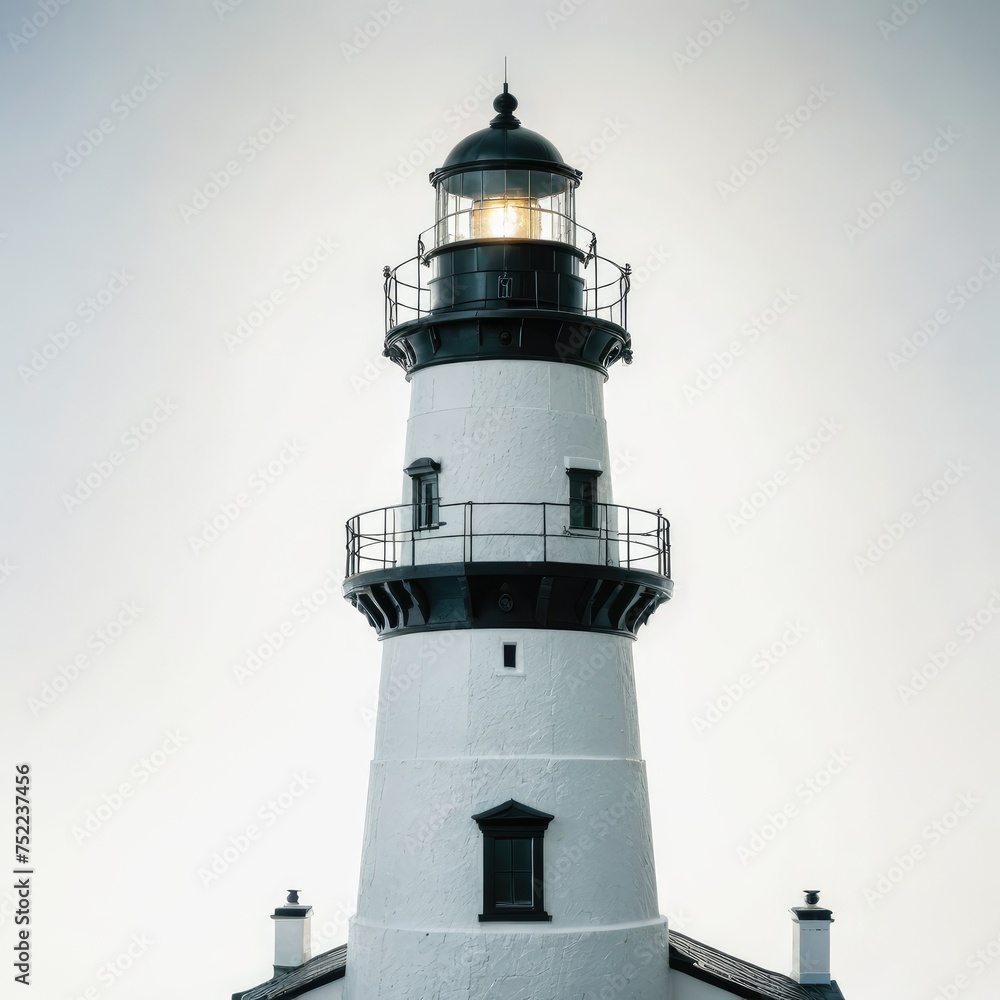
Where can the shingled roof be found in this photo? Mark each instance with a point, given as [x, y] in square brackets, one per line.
[738, 977]
[692, 958]
[318, 971]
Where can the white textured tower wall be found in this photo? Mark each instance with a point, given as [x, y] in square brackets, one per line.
[502, 433]
[458, 733]
[501, 430]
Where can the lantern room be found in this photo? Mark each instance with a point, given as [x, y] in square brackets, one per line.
[505, 270]
[505, 182]
[505, 233]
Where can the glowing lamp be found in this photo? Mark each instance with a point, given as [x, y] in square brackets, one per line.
[506, 218]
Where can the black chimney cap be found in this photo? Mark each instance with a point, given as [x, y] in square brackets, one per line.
[811, 911]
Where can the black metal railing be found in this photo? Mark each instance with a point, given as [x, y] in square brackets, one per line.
[627, 537]
[605, 290]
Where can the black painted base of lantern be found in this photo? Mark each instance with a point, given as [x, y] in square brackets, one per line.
[529, 335]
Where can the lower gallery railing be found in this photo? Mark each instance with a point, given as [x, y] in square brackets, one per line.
[580, 532]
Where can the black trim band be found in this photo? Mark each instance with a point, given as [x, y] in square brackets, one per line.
[515, 595]
[513, 334]
[800, 913]
[504, 163]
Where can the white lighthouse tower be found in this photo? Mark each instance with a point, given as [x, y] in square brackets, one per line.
[508, 850]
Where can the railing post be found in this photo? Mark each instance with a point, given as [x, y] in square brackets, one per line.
[420, 294]
[545, 533]
[413, 536]
[468, 522]
[666, 548]
[607, 536]
[664, 560]
[628, 536]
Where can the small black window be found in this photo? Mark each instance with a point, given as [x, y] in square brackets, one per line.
[426, 503]
[582, 498]
[512, 862]
[510, 655]
[512, 871]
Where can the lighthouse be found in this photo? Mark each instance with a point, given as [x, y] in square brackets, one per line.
[508, 848]
[508, 851]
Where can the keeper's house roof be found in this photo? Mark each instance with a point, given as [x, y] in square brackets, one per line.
[318, 971]
[688, 957]
[738, 977]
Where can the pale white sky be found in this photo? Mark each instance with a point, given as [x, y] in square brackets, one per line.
[122, 277]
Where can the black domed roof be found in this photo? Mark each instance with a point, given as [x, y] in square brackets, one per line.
[504, 140]
[503, 144]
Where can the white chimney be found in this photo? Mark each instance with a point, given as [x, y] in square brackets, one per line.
[811, 940]
[291, 934]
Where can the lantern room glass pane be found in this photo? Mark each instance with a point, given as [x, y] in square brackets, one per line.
[514, 203]
[494, 184]
[517, 184]
[472, 184]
